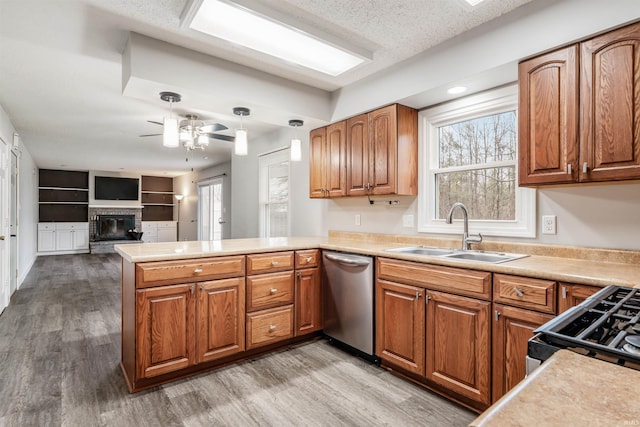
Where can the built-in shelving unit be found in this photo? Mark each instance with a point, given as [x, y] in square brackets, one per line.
[63, 196]
[157, 198]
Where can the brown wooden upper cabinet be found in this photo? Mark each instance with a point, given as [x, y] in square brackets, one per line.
[579, 111]
[327, 167]
[380, 156]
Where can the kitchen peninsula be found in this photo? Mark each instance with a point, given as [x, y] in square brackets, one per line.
[194, 306]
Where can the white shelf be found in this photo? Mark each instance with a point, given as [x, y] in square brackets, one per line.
[63, 188]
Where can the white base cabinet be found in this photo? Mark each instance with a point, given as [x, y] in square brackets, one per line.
[63, 237]
[159, 231]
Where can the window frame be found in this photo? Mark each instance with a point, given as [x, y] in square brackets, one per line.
[474, 106]
[264, 161]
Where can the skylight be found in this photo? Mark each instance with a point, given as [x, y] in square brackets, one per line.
[245, 27]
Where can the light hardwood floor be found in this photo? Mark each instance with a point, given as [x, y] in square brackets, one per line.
[60, 349]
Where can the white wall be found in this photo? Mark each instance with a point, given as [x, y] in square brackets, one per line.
[307, 216]
[27, 212]
[188, 186]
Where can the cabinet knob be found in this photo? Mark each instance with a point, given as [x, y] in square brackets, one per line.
[299, 274]
[274, 263]
[309, 259]
[272, 328]
[564, 292]
[273, 291]
[518, 292]
[417, 295]
[585, 167]
[569, 170]
[197, 270]
[496, 314]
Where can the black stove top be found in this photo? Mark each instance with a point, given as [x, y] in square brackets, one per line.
[606, 325]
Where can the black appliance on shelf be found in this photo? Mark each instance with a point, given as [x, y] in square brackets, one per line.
[605, 326]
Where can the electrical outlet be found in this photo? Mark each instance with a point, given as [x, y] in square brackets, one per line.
[357, 219]
[548, 224]
[407, 220]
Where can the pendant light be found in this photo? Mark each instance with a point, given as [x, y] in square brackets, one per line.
[170, 135]
[241, 147]
[296, 145]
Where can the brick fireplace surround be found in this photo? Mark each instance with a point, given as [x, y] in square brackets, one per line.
[106, 246]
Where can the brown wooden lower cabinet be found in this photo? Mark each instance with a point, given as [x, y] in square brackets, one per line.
[221, 311]
[400, 325]
[308, 290]
[269, 326]
[512, 328]
[165, 340]
[572, 295]
[458, 345]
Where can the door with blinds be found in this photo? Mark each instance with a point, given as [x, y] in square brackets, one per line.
[211, 218]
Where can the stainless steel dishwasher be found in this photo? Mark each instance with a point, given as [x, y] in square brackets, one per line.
[348, 301]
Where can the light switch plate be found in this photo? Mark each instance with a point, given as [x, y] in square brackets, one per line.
[357, 219]
[549, 224]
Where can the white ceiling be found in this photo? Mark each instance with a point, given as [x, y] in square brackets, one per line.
[61, 76]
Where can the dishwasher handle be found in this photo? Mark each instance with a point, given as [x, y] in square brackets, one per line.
[347, 260]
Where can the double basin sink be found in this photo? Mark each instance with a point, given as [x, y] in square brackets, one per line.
[470, 255]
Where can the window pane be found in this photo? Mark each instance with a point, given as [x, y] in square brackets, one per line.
[488, 194]
[279, 182]
[277, 219]
[482, 140]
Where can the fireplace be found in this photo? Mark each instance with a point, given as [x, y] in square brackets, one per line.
[114, 227]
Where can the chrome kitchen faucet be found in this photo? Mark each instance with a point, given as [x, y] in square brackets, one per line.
[466, 239]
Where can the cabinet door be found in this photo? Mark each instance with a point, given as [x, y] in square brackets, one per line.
[572, 295]
[80, 239]
[221, 311]
[335, 159]
[317, 174]
[548, 118]
[610, 106]
[382, 154]
[512, 328]
[64, 240]
[458, 345]
[358, 155]
[400, 325]
[308, 301]
[167, 235]
[46, 240]
[165, 334]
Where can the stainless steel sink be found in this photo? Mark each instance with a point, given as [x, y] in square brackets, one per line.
[481, 256]
[478, 256]
[423, 250]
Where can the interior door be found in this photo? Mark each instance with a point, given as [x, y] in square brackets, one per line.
[4, 225]
[211, 212]
[13, 226]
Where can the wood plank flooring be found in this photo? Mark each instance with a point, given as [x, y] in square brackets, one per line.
[60, 349]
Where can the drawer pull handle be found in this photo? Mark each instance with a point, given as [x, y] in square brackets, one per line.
[274, 263]
[518, 292]
[197, 270]
[272, 328]
[309, 259]
[585, 167]
[273, 291]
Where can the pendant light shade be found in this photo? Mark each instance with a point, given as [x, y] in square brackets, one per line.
[170, 137]
[241, 146]
[296, 144]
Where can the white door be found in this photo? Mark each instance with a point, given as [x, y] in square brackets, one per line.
[13, 226]
[4, 225]
[274, 194]
[211, 216]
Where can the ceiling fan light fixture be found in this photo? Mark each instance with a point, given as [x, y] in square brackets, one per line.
[296, 144]
[203, 141]
[170, 136]
[241, 146]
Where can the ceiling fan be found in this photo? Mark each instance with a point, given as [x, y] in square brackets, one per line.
[193, 133]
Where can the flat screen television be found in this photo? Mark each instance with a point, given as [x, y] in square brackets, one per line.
[115, 188]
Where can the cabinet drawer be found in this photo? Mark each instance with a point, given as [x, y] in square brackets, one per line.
[269, 326]
[270, 262]
[455, 280]
[269, 290]
[524, 292]
[46, 226]
[307, 259]
[168, 272]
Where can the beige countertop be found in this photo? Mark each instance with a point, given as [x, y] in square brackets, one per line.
[581, 271]
[569, 390]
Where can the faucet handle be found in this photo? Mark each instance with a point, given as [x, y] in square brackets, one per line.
[474, 239]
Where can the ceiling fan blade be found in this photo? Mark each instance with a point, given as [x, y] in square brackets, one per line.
[222, 137]
[214, 127]
[151, 134]
[156, 123]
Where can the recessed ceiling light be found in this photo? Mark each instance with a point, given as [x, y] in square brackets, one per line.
[271, 35]
[456, 89]
[474, 2]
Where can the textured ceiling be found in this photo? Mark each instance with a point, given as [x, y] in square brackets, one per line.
[61, 69]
